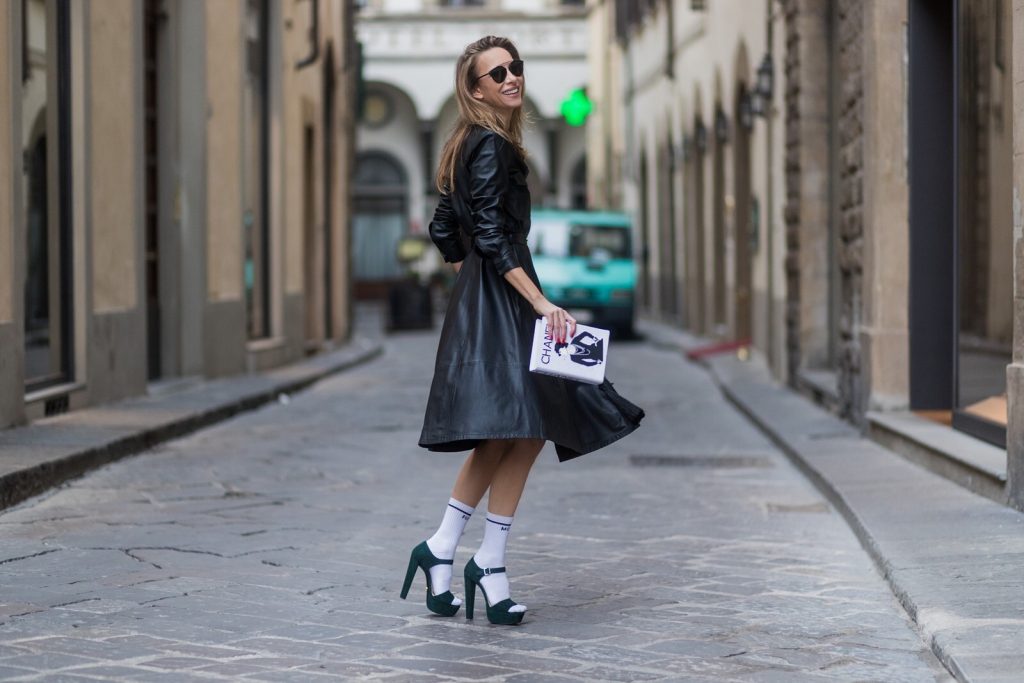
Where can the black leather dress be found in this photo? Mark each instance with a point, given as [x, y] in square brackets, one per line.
[482, 386]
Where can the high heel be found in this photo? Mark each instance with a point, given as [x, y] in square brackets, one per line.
[496, 614]
[424, 559]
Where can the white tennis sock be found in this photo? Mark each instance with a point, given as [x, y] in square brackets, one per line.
[492, 555]
[444, 542]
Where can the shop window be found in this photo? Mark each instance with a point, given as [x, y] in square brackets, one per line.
[46, 187]
[984, 231]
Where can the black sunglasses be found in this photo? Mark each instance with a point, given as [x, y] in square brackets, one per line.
[500, 73]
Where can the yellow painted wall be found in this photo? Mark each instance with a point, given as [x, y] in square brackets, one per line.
[113, 172]
[224, 54]
[6, 156]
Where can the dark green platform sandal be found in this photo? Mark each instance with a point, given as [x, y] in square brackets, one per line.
[424, 559]
[496, 614]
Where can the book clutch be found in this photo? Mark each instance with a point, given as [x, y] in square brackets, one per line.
[581, 358]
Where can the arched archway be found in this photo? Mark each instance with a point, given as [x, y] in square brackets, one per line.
[391, 124]
[381, 190]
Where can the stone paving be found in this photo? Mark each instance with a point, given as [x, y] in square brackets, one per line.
[272, 548]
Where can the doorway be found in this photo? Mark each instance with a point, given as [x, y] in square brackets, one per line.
[695, 149]
[961, 267]
[667, 231]
[744, 224]
[379, 221]
[719, 327]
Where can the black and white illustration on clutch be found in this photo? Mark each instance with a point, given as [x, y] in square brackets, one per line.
[585, 349]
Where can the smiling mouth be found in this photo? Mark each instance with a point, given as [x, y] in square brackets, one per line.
[512, 91]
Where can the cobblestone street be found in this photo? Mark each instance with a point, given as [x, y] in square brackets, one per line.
[272, 547]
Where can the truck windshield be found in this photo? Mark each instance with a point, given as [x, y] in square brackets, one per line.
[561, 240]
[585, 239]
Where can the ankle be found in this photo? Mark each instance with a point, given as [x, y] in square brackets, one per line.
[443, 546]
[487, 561]
[446, 539]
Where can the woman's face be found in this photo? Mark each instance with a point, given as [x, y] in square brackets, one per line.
[505, 96]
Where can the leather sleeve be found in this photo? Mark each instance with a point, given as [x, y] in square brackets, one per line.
[488, 185]
[444, 231]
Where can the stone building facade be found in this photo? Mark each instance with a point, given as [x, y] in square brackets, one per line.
[174, 193]
[883, 251]
[683, 139]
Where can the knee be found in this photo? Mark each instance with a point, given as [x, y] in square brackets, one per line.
[495, 448]
[530, 447]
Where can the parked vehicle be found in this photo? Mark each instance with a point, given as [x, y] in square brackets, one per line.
[584, 260]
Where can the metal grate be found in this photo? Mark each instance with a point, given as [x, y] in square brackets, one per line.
[706, 461]
[56, 405]
[818, 507]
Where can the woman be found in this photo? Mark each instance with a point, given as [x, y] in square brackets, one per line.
[483, 396]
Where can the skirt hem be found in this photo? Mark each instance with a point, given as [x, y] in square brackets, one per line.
[465, 442]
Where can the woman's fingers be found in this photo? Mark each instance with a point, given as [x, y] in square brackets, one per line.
[561, 324]
[553, 323]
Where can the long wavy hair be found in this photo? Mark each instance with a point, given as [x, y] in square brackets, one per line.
[473, 112]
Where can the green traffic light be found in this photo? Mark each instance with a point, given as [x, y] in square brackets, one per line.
[576, 107]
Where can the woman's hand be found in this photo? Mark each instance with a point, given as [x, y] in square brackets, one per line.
[558, 319]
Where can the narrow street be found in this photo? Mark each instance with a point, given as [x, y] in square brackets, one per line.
[272, 547]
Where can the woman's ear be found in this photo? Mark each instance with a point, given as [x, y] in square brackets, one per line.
[477, 95]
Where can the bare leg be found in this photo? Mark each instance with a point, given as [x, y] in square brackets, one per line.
[478, 470]
[507, 486]
[509, 478]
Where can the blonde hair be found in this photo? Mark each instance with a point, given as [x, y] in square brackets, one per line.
[473, 112]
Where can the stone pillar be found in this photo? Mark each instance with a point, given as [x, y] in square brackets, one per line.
[1015, 371]
[224, 323]
[806, 209]
[116, 332]
[884, 341]
[850, 199]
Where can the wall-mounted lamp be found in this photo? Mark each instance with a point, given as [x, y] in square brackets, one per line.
[766, 79]
[721, 127]
[758, 105]
[746, 112]
[700, 136]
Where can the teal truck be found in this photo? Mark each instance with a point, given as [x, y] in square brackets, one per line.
[584, 260]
